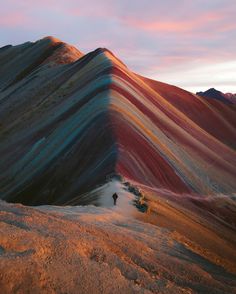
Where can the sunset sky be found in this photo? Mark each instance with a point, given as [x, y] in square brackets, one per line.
[189, 43]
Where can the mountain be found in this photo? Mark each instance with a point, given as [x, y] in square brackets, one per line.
[75, 129]
[69, 121]
[213, 93]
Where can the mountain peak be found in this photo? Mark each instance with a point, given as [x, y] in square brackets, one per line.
[51, 39]
[109, 55]
[218, 95]
[16, 62]
[64, 54]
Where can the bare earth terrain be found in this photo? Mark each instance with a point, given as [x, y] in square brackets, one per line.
[50, 249]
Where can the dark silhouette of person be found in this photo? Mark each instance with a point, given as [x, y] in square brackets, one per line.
[115, 196]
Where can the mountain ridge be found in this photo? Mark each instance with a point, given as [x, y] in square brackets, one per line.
[224, 97]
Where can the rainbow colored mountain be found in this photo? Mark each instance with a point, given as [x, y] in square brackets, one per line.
[68, 121]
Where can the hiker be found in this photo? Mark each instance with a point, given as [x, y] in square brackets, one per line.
[114, 196]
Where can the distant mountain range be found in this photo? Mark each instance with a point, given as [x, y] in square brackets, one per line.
[69, 121]
[213, 93]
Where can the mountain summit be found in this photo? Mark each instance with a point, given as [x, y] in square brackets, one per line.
[215, 94]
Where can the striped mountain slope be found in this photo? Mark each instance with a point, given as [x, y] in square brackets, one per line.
[68, 120]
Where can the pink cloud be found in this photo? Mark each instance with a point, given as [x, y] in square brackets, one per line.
[177, 25]
[88, 11]
[12, 19]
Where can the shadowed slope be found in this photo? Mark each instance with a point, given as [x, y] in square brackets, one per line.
[64, 136]
[17, 62]
[64, 128]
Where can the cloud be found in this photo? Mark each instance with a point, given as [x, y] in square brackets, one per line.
[14, 19]
[199, 76]
[151, 36]
[175, 26]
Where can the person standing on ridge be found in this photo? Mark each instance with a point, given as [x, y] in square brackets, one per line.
[115, 196]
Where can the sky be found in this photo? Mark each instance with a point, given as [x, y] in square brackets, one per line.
[188, 43]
